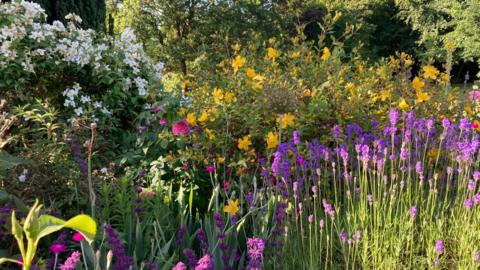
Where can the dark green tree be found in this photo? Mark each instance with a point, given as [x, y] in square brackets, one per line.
[92, 12]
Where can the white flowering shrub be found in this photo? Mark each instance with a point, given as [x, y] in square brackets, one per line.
[79, 70]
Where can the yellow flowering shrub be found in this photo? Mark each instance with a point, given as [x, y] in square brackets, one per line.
[257, 95]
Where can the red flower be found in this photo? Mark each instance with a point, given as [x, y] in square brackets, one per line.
[181, 128]
[78, 237]
[210, 168]
[57, 248]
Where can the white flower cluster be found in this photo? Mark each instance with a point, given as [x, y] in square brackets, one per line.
[71, 45]
[82, 104]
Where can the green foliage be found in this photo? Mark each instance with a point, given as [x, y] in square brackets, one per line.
[92, 12]
[37, 226]
[443, 23]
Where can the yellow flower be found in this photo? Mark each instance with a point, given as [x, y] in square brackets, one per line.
[272, 53]
[418, 84]
[326, 54]
[210, 134]
[337, 16]
[445, 77]
[432, 154]
[295, 54]
[238, 62]
[385, 94]
[232, 207]
[430, 72]
[229, 97]
[182, 111]
[244, 143]
[287, 120]
[203, 117]
[422, 96]
[468, 109]
[217, 95]
[251, 73]
[220, 159]
[272, 140]
[403, 104]
[191, 119]
[236, 47]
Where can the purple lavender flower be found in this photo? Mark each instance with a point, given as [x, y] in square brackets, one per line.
[393, 116]
[310, 218]
[337, 131]
[296, 137]
[446, 123]
[343, 236]
[255, 253]
[439, 247]
[471, 185]
[180, 236]
[476, 198]
[321, 223]
[219, 221]
[191, 257]
[205, 263]
[413, 211]
[122, 262]
[71, 261]
[328, 208]
[468, 203]
[418, 167]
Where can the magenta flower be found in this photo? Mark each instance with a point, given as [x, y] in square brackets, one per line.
[205, 263]
[210, 168]
[468, 204]
[180, 266]
[474, 95]
[181, 128]
[439, 247]
[162, 121]
[78, 237]
[57, 248]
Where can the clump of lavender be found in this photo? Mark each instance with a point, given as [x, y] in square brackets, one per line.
[181, 235]
[71, 261]
[138, 190]
[77, 155]
[191, 257]
[255, 248]
[439, 247]
[203, 239]
[122, 261]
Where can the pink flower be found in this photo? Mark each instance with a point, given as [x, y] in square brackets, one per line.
[474, 95]
[78, 237]
[162, 121]
[181, 128]
[210, 168]
[57, 248]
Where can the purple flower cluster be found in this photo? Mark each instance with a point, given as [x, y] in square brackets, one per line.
[71, 262]
[255, 248]
[205, 263]
[77, 155]
[122, 261]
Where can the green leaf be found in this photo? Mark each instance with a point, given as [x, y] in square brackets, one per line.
[8, 161]
[82, 223]
[4, 260]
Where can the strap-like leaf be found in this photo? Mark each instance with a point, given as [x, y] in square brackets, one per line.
[4, 260]
[82, 223]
